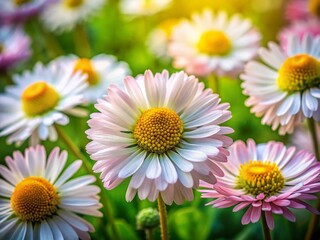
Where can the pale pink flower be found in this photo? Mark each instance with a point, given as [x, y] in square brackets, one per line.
[302, 9]
[301, 138]
[162, 132]
[268, 178]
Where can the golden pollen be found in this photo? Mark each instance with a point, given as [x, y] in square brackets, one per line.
[85, 66]
[20, 2]
[257, 177]
[314, 7]
[168, 25]
[298, 73]
[158, 130]
[73, 3]
[214, 42]
[34, 199]
[39, 98]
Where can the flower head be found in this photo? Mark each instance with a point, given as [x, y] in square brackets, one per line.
[213, 44]
[143, 7]
[101, 71]
[14, 46]
[37, 200]
[285, 89]
[267, 178]
[18, 11]
[39, 100]
[302, 9]
[64, 15]
[162, 131]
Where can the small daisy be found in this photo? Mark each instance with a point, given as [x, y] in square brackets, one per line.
[285, 89]
[18, 11]
[64, 15]
[143, 7]
[39, 100]
[160, 37]
[162, 132]
[213, 44]
[302, 9]
[101, 71]
[268, 179]
[301, 138]
[38, 202]
[300, 28]
[14, 46]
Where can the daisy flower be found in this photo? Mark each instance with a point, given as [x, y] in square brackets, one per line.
[213, 44]
[14, 46]
[40, 99]
[162, 132]
[300, 28]
[302, 9]
[18, 11]
[160, 37]
[37, 200]
[143, 7]
[285, 89]
[100, 71]
[268, 179]
[64, 15]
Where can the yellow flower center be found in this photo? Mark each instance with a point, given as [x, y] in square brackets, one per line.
[39, 98]
[257, 177]
[20, 2]
[158, 130]
[298, 73]
[34, 199]
[168, 25]
[73, 3]
[214, 42]
[314, 7]
[85, 66]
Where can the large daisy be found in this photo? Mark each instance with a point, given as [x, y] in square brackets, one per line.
[268, 179]
[162, 132]
[40, 99]
[285, 89]
[37, 200]
[101, 71]
[64, 15]
[213, 44]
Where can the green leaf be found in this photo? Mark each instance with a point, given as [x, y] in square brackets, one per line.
[125, 231]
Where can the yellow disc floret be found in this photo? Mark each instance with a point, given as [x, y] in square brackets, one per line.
[314, 7]
[38, 98]
[73, 3]
[158, 130]
[85, 66]
[214, 42]
[20, 2]
[34, 199]
[257, 177]
[299, 73]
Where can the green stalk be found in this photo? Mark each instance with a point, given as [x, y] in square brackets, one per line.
[163, 218]
[81, 41]
[76, 151]
[266, 230]
[213, 83]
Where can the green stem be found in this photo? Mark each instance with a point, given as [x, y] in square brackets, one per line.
[315, 217]
[81, 41]
[163, 218]
[76, 151]
[52, 44]
[266, 230]
[213, 83]
[148, 233]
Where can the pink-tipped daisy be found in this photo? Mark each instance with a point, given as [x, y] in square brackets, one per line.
[39, 99]
[162, 132]
[285, 88]
[213, 44]
[302, 9]
[267, 178]
[100, 71]
[38, 201]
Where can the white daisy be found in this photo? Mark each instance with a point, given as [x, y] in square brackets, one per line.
[40, 99]
[213, 44]
[101, 71]
[143, 7]
[285, 89]
[38, 202]
[64, 15]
